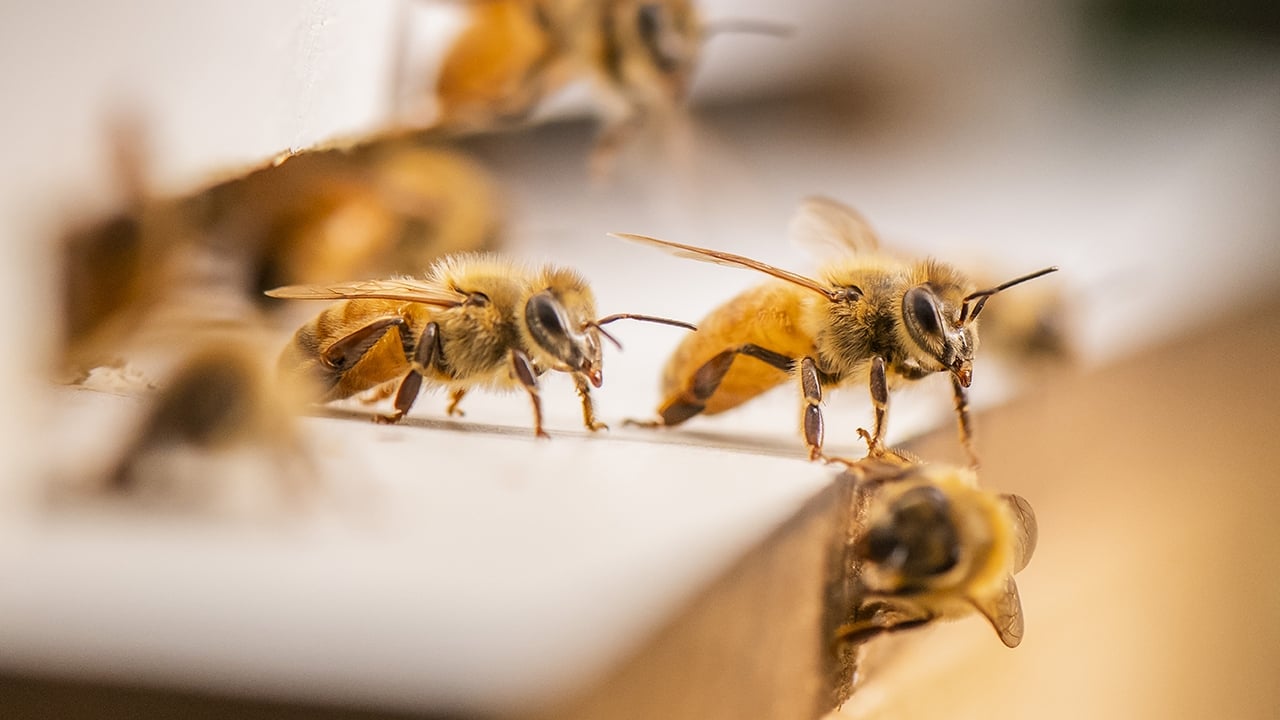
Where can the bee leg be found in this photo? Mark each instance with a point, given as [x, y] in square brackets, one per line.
[588, 411]
[962, 417]
[879, 399]
[424, 356]
[524, 372]
[613, 136]
[347, 350]
[378, 394]
[811, 390]
[706, 380]
[455, 397]
[861, 631]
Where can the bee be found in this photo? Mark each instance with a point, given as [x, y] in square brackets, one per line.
[1036, 332]
[870, 318]
[377, 207]
[477, 320]
[217, 417]
[929, 544]
[639, 56]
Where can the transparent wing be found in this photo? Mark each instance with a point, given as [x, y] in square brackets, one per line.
[405, 289]
[730, 260]
[830, 229]
[1025, 531]
[1004, 611]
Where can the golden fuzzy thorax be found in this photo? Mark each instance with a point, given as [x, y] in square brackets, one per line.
[476, 339]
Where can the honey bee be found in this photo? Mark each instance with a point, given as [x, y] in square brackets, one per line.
[929, 544]
[871, 318]
[476, 321]
[382, 206]
[218, 417]
[1035, 333]
[639, 55]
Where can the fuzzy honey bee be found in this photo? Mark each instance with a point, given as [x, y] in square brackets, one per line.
[638, 55]
[870, 318]
[475, 321]
[386, 205]
[930, 545]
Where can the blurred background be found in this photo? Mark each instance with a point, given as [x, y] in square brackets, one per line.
[1133, 143]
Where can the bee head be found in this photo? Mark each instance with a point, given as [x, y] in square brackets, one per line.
[937, 329]
[560, 323]
[913, 541]
[947, 334]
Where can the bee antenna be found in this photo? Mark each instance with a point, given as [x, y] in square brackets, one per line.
[645, 318]
[748, 27]
[632, 316]
[606, 334]
[982, 296]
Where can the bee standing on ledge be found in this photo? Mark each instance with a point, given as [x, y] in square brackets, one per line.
[475, 321]
[870, 318]
[930, 545]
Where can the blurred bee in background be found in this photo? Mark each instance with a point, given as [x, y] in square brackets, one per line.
[218, 419]
[928, 544]
[638, 55]
[871, 318]
[384, 206]
[1035, 332]
[475, 321]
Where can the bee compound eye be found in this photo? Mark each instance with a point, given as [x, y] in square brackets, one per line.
[544, 313]
[921, 308]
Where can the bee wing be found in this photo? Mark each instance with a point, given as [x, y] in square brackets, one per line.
[717, 257]
[405, 289]
[831, 229]
[1004, 612]
[1025, 530]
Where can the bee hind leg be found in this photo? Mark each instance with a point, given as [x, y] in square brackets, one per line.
[706, 380]
[346, 351]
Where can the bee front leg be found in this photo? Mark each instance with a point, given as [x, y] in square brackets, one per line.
[880, 400]
[455, 397]
[525, 373]
[880, 618]
[962, 418]
[588, 411]
[424, 356]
